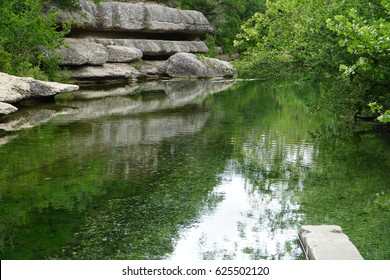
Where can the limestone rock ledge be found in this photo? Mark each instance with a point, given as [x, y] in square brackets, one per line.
[180, 65]
[137, 41]
[136, 17]
[14, 89]
[97, 51]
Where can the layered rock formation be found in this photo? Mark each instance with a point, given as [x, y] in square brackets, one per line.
[137, 17]
[124, 41]
[113, 40]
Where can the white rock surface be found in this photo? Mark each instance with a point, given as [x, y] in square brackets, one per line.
[123, 54]
[107, 71]
[327, 242]
[186, 65]
[136, 17]
[82, 52]
[14, 89]
[6, 108]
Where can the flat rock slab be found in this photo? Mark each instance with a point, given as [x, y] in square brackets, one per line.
[327, 242]
[14, 89]
[136, 17]
[82, 52]
[106, 71]
[151, 47]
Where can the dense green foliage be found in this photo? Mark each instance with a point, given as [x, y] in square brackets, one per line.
[29, 36]
[348, 40]
[225, 15]
[28, 39]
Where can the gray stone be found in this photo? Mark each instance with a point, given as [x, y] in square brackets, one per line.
[327, 242]
[123, 54]
[119, 17]
[82, 52]
[218, 67]
[6, 108]
[155, 47]
[85, 17]
[136, 17]
[186, 65]
[163, 19]
[44, 89]
[116, 27]
[14, 89]
[153, 67]
[106, 71]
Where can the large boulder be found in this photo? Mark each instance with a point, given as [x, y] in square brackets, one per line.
[136, 17]
[219, 68]
[14, 89]
[186, 65]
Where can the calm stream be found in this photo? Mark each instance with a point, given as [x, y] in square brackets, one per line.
[187, 170]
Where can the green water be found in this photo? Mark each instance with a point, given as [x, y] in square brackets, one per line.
[187, 170]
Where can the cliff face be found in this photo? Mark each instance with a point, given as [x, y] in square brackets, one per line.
[109, 40]
[138, 17]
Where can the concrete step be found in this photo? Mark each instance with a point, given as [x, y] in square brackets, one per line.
[327, 242]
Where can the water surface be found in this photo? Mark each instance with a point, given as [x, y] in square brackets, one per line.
[187, 170]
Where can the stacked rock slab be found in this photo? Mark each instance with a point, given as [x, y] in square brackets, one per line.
[111, 40]
[14, 89]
